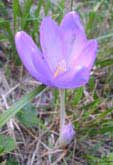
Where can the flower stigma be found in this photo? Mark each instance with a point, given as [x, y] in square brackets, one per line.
[61, 68]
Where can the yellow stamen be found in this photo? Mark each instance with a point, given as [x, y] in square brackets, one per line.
[57, 72]
[60, 68]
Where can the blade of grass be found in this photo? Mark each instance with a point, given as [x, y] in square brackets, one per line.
[16, 11]
[7, 115]
[26, 13]
[47, 6]
[37, 12]
[106, 36]
[104, 63]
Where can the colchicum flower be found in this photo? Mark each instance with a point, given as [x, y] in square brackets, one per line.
[66, 56]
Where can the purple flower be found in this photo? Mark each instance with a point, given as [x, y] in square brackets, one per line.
[67, 56]
[67, 135]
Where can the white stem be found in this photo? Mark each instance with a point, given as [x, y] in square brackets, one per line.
[62, 109]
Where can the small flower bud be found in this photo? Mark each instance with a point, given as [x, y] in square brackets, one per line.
[67, 135]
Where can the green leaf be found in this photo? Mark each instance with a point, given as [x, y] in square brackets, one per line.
[26, 13]
[12, 161]
[56, 95]
[3, 10]
[78, 95]
[7, 29]
[60, 8]
[91, 83]
[90, 23]
[3, 21]
[104, 63]
[3, 37]
[28, 116]
[110, 157]
[37, 12]
[16, 8]
[7, 144]
[104, 37]
[16, 11]
[46, 6]
[27, 7]
[8, 114]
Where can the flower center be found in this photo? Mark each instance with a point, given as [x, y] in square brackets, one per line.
[61, 67]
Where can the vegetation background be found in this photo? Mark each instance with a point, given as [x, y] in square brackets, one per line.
[29, 111]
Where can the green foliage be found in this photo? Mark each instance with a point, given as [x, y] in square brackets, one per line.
[90, 23]
[105, 160]
[2, 9]
[105, 62]
[16, 12]
[28, 116]
[7, 144]
[78, 95]
[56, 96]
[12, 161]
[23, 19]
[7, 115]
[91, 83]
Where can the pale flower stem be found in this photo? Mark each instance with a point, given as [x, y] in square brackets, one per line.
[62, 109]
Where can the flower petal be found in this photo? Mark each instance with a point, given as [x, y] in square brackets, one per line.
[78, 75]
[87, 56]
[73, 33]
[28, 53]
[51, 43]
[79, 79]
[72, 21]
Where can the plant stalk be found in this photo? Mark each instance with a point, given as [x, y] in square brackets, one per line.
[62, 110]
